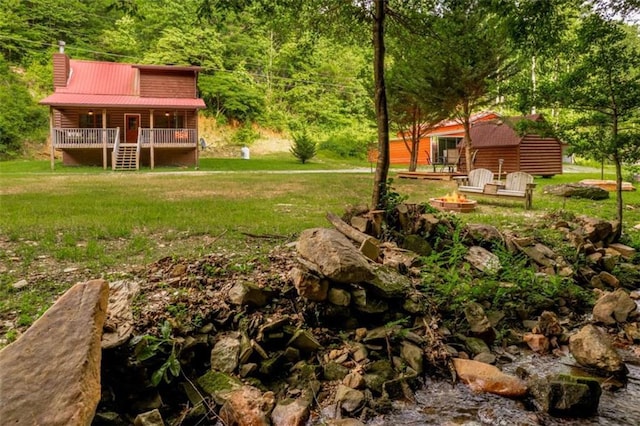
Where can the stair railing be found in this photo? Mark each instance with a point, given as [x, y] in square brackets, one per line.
[116, 149]
[138, 148]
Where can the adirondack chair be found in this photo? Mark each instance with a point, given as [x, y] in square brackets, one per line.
[475, 181]
[518, 185]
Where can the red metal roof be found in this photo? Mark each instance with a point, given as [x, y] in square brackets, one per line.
[499, 132]
[453, 127]
[493, 133]
[110, 84]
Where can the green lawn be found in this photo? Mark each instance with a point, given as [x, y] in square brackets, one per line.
[72, 224]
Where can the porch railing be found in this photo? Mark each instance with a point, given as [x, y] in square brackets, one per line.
[168, 137]
[83, 138]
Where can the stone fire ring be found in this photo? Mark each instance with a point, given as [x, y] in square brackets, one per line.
[465, 206]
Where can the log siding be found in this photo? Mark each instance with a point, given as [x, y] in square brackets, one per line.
[159, 84]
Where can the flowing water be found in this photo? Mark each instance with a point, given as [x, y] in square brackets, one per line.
[440, 403]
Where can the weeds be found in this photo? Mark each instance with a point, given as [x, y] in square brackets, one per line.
[147, 347]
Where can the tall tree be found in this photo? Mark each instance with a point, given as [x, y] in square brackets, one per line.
[475, 55]
[339, 15]
[536, 28]
[604, 86]
[413, 108]
[382, 118]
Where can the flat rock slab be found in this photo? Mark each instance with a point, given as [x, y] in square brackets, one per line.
[334, 255]
[483, 377]
[608, 185]
[51, 374]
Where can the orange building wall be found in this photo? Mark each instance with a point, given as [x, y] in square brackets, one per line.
[399, 154]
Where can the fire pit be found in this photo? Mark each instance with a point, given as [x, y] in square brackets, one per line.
[453, 202]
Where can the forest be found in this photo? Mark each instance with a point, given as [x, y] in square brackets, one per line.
[310, 65]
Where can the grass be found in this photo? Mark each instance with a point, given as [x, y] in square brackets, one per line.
[76, 223]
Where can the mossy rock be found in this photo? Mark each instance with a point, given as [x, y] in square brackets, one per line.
[563, 394]
[218, 385]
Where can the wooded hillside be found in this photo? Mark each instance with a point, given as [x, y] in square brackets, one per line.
[293, 65]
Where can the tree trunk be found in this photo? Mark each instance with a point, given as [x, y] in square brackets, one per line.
[415, 139]
[466, 122]
[618, 189]
[618, 163]
[382, 166]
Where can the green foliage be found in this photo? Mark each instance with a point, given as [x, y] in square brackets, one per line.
[392, 198]
[349, 142]
[19, 115]
[448, 279]
[602, 85]
[147, 347]
[303, 148]
[232, 95]
[525, 127]
[245, 135]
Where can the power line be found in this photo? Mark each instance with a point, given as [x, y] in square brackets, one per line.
[134, 58]
[351, 88]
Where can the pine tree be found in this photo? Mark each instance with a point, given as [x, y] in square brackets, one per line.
[304, 148]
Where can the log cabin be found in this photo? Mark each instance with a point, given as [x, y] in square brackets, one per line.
[438, 145]
[514, 144]
[122, 115]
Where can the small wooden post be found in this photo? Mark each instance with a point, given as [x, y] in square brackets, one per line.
[104, 139]
[151, 137]
[52, 136]
[197, 137]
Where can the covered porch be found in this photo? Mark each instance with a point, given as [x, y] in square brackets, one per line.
[124, 139]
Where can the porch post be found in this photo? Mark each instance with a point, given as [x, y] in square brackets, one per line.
[151, 145]
[197, 141]
[104, 138]
[51, 136]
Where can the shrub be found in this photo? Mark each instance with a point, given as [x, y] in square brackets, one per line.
[349, 143]
[245, 135]
[304, 148]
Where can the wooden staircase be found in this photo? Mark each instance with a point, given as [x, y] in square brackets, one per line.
[125, 158]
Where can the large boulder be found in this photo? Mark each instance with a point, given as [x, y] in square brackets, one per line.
[577, 190]
[51, 374]
[334, 255]
[591, 348]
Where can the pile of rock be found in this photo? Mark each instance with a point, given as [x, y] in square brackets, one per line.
[336, 327]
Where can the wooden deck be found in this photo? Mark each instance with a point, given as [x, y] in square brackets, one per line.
[429, 175]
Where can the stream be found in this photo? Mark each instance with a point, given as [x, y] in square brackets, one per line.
[441, 403]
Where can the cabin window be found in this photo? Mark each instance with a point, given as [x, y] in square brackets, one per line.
[445, 145]
[168, 121]
[90, 121]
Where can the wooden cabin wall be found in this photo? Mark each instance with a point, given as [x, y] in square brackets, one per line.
[164, 84]
[69, 117]
[169, 157]
[163, 157]
[84, 157]
[535, 155]
[488, 158]
[540, 156]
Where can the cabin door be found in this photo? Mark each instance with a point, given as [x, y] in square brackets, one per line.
[132, 123]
